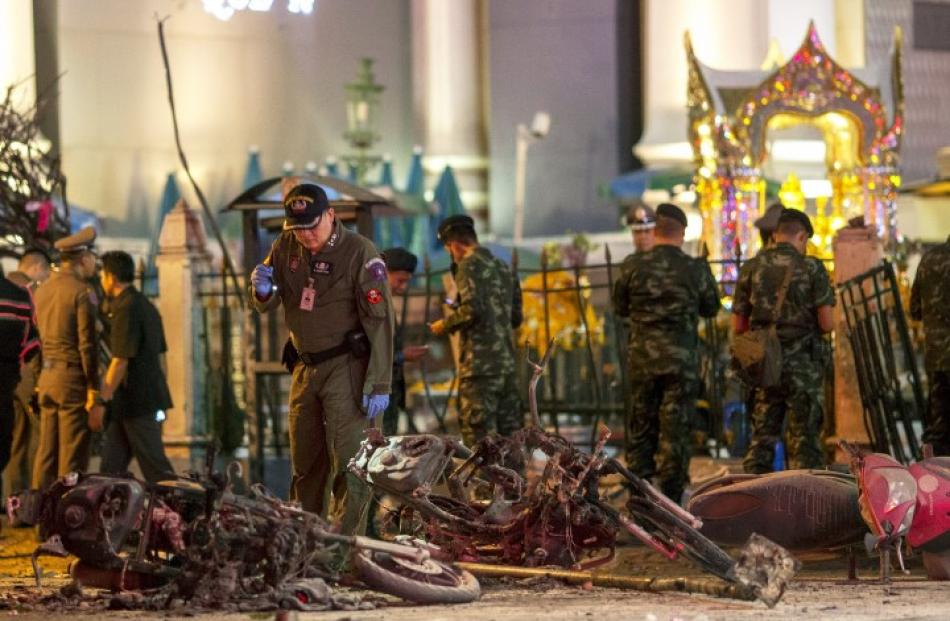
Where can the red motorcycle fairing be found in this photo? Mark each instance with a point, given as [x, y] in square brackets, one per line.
[888, 495]
[798, 509]
[930, 529]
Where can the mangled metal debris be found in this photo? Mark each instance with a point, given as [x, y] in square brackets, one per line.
[496, 512]
[195, 544]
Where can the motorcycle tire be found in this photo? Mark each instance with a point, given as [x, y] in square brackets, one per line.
[696, 547]
[435, 583]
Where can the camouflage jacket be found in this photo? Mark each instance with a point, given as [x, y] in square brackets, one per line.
[757, 291]
[930, 302]
[487, 310]
[663, 292]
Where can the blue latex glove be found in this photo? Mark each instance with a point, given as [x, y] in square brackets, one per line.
[375, 405]
[263, 280]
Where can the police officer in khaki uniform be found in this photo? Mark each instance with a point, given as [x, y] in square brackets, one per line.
[333, 286]
[69, 383]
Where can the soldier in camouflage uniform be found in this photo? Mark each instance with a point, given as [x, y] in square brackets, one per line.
[487, 310]
[663, 292]
[806, 314]
[930, 302]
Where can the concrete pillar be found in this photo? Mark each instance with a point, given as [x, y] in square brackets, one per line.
[448, 75]
[856, 250]
[17, 61]
[182, 257]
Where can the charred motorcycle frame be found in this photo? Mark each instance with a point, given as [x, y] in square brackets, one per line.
[556, 515]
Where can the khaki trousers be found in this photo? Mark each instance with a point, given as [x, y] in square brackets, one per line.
[326, 425]
[64, 425]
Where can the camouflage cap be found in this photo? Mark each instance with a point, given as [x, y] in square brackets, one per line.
[641, 218]
[794, 215]
[669, 210]
[400, 260]
[84, 239]
[769, 220]
[455, 223]
[304, 205]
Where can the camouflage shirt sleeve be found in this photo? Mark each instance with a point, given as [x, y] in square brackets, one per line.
[822, 292]
[708, 291]
[517, 311]
[469, 306]
[620, 295]
[916, 308]
[741, 299]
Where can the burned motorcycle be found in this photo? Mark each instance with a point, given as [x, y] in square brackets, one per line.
[557, 516]
[912, 502]
[195, 540]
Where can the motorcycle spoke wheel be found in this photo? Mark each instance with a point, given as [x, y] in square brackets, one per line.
[430, 582]
[695, 546]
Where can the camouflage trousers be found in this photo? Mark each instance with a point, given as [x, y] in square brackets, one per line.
[489, 403]
[937, 429]
[798, 398]
[658, 429]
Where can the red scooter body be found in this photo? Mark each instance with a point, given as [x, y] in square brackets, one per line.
[912, 501]
[930, 530]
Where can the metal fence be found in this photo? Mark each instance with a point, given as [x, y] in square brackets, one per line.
[885, 361]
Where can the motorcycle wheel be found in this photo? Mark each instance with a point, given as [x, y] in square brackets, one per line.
[432, 582]
[696, 547]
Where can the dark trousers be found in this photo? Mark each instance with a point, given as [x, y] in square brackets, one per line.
[9, 378]
[16, 476]
[937, 429]
[139, 437]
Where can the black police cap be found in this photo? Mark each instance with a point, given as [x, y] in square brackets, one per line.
[668, 210]
[400, 260]
[769, 221]
[455, 223]
[304, 205]
[794, 215]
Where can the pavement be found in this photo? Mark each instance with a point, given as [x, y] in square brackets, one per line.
[820, 592]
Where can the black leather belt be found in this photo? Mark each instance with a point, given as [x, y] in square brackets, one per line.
[313, 359]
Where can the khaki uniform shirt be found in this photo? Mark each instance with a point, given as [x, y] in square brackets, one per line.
[349, 294]
[66, 317]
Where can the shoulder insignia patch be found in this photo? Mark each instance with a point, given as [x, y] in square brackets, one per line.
[373, 296]
[377, 268]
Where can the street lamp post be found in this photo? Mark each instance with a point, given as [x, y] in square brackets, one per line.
[540, 126]
[362, 116]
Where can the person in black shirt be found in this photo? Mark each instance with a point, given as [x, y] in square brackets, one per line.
[19, 342]
[134, 386]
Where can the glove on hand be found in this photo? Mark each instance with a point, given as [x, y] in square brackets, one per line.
[375, 405]
[263, 280]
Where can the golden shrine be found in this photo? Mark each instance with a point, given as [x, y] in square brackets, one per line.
[858, 112]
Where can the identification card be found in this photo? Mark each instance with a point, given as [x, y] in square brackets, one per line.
[307, 297]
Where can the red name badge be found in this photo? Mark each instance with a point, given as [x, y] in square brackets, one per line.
[307, 298]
